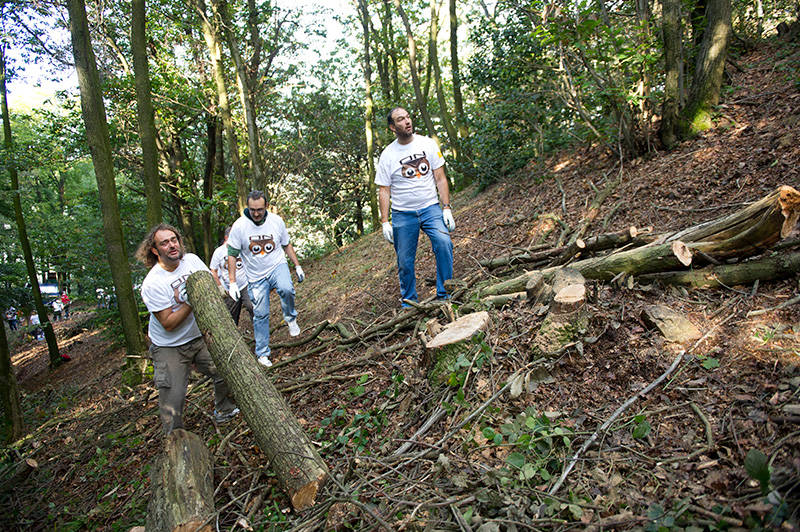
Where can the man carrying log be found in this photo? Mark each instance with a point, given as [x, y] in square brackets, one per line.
[410, 172]
[176, 342]
[219, 270]
[260, 239]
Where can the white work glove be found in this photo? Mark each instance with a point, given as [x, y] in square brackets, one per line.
[233, 291]
[222, 290]
[388, 233]
[301, 276]
[449, 222]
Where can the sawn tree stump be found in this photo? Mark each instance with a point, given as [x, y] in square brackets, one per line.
[455, 339]
[183, 486]
[295, 461]
[568, 316]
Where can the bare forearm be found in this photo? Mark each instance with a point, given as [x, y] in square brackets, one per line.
[289, 249]
[383, 203]
[442, 186]
[231, 268]
[170, 319]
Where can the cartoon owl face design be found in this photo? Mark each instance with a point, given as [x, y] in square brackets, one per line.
[239, 265]
[415, 165]
[261, 244]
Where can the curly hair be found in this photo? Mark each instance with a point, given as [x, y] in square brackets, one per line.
[144, 253]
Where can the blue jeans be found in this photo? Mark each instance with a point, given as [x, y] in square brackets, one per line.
[406, 226]
[281, 280]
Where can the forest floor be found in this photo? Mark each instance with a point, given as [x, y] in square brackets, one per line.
[674, 460]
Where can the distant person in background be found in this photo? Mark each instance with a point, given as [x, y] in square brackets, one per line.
[101, 298]
[58, 307]
[219, 270]
[176, 341]
[37, 332]
[260, 239]
[410, 172]
[11, 318]
[65, 300]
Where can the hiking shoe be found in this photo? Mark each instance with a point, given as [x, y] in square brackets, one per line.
[220, 417]
[265, 361]
[294, 328]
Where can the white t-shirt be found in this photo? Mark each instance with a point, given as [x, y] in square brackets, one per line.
[219, 264]
[408, 170]
[162, 290]
[260, 246]
[58, 306]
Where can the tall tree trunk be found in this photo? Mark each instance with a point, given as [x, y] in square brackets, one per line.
[389, 41]
[208, 185]
[422, 104]
[94, 118]
[433, 54]
[708, 73]
[8, 142]
[145, 113]
[458, 100]
[9, 393]
[245, 88]
[672, 65]
[215, 52]
[369, 118]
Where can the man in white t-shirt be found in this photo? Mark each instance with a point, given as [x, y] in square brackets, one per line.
[219, 270]
[259, 238]
[409, 174]
[176, 342]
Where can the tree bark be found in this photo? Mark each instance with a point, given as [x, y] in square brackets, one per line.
[707, 80]
[296, 463]
[458, 99]
[94, 118]
[671, 30]
[208, 187]
[145, 113]
[422, 104]
[770, 268]
[8, 142]
[433, 54]
[182, 496]
[218, 73]
[369, 117]
[9, 393]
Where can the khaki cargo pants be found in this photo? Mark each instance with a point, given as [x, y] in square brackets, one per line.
[171, 368]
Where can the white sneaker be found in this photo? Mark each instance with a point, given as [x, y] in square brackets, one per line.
[265, 361]
[294, 328]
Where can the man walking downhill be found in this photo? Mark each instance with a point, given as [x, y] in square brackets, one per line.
[409, 174]
[176, 342]
[260, 239]
[219, 270]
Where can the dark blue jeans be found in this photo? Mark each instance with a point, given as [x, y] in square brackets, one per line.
[406, 226]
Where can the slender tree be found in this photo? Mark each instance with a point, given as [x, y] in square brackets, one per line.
[94, 118]
[145, 113]
[458, 99]
[433, 55]
[706, 84]
[8, 142]
[218, 72]
[422, 103]
[671, 30]
[9, 393]
[369, 116]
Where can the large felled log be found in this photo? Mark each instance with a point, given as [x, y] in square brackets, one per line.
[295, 461]
[770, 268]
[742, 234]
[182, 495]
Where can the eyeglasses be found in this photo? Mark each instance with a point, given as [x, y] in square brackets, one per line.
[258, 210]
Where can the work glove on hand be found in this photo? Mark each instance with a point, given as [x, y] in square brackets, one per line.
[233, 291]
[449, 222]
[222, 290]
[388, 233]
[301, 276]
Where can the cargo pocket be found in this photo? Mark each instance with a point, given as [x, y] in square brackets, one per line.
[160, 373]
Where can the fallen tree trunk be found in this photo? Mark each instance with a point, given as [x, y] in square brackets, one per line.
[766, 269]
[295, 461]
[183, 486]
[742, 234]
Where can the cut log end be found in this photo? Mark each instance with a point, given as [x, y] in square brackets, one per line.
[633, 231]
[682, 252]
[572, 294]
[307, 495]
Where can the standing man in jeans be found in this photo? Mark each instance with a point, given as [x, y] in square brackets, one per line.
[409, 174]
[261, 240]
[176, 342]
